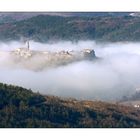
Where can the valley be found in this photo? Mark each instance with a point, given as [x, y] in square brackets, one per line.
[70, 70]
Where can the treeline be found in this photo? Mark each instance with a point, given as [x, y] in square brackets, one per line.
[44, 28]
[21, 108]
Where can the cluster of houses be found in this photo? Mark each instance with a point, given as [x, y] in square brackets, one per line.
[63, 55]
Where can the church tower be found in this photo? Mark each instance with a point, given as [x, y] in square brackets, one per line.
[28, 45]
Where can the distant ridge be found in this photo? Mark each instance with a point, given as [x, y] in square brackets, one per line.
[77, 26]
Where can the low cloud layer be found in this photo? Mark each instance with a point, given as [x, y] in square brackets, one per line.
[116, 74]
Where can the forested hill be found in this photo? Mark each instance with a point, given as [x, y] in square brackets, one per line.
[20, 107]
[44, 28]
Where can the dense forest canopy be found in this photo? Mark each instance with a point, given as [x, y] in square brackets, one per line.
[20, 107]
[43, 28]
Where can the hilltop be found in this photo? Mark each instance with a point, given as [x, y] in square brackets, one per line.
[76, 26]
[9, 17]
[20, 107]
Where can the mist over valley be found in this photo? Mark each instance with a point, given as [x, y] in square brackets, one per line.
[112, 76]
[69, 69]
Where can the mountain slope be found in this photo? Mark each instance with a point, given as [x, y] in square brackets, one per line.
[20, 107]
[44, 28]
[9, 17]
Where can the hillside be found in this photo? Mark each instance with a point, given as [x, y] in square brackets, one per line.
[44, 28]
[20, 107]
[9, 17]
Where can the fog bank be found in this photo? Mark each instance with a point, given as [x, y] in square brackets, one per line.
[110, 78]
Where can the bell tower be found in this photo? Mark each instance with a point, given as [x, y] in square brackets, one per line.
[28, 45]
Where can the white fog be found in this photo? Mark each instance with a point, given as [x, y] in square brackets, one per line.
[111, 77]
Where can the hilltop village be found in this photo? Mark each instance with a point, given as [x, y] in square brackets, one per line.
[37, 60]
